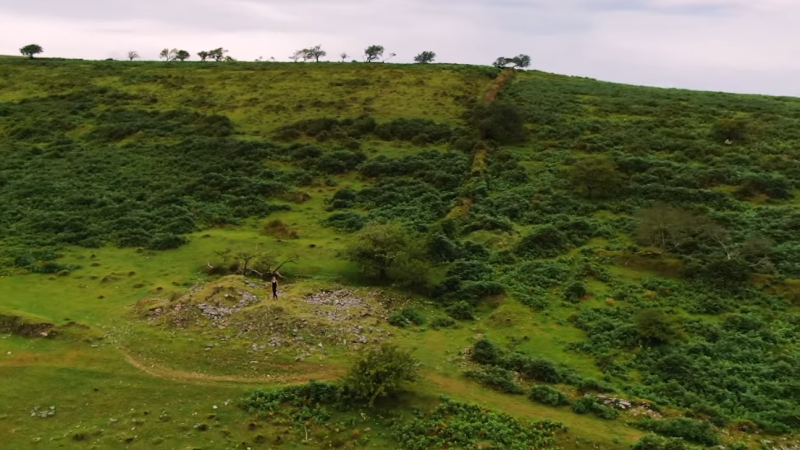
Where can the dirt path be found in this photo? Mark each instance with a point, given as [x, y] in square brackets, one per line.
[479, 154]
[157, 371]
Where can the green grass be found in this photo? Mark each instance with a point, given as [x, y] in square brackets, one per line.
[109, 361]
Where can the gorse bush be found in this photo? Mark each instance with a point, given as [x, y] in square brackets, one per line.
[380, 373]
[654, 442]
[691, 430]
[459, 425]
[418, 131]
[548, 396]
[591, 404]
[495, 378]
[406, 317]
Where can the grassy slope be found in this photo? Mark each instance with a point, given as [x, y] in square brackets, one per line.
[258, 98]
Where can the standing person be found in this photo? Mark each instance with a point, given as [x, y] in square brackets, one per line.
[274, 287]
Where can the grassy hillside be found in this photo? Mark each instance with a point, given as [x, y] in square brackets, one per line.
[615, 259]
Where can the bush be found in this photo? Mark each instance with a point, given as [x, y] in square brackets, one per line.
[442, 322]
[166, 241]
[575, 292]
[548, 396]
[346, 221]
[495, 378]
[654, 442]
[731, 129]
[655, 327]
[461, 311]
[380, 373]
[406, 317]
[485, 352]
[691, 430]
[591, 404]
[543, 242]
[499, 121]
[538, 369]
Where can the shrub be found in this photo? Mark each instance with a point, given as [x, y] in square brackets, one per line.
[548, 396]
[500, 121]
[406, 317]
[656, 327]
[442, 322]
[575, 291]
[166, 241]
[591, 404]
[346, 221]
[495, 378]
[691, 430]
[654, 442]
[539, 369]
[485, 352]
[461, 311]
[543, 242]
[380, 373]
[735, 129]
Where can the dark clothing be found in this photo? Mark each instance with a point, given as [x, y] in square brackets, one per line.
[274, 289]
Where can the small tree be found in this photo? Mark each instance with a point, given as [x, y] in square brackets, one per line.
[315, 53]
[389, 252]
[344, 56]
[500, 62]
[373, 53]
[381, 373]
[521, 61]
[391, 55]
[297, 55]
[425, 57]
[203, 55]
[182, 55]
[668, 228]
[218, 54]
[168, 55]
[598, 175]
[30, 50]
[133, 55]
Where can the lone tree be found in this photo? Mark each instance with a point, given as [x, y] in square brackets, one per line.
[133, 55]
[315, 53]
[344, 56]
[297, 56]
[425, 57]
[182, 55]
[203, 55]
[381, 373]
[597, 175]
[30, 50]
[373, 53]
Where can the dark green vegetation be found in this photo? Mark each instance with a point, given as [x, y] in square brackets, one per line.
[570, 242]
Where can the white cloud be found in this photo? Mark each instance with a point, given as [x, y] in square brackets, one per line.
[735, 45]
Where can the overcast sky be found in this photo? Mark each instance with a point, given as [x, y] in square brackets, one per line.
[723, 45]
